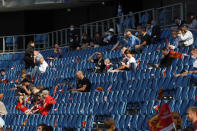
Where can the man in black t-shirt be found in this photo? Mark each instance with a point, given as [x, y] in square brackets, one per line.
[99, 62]
[83, 84]
[145, 40]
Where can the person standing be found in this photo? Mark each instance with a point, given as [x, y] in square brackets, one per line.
[29, 55]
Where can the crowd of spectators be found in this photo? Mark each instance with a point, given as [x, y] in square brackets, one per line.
[134, 42]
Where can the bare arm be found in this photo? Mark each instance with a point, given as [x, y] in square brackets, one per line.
[91, 57]
[80, 89]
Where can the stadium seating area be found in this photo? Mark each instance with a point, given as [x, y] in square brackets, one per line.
[122, 91]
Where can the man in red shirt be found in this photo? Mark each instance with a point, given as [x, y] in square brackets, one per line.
[48, 101]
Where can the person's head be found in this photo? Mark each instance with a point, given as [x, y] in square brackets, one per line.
[129, 53]
[3, 72]
[148, 25]
[184, 28]
[194, 52]
[192, 17]
[56, 45]
[111, 31]
[26, 82]
[31, 43]
[72, 27]
[192, 114]
[110, 124]
[176, 20]
[8, 129]
[143, 31]
[99, 55]
[45, 93]
[91, 43]
[79, 75]
[128, 34]
[174, 34]
[177, 120]
[40, 127]
[47, 128]
[97, 35]
[107, 62]
[164, 51]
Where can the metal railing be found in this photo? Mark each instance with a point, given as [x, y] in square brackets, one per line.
[163, 16]
[19, 3]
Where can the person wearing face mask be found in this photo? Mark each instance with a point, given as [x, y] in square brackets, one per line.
[72, 33]
[193, 72]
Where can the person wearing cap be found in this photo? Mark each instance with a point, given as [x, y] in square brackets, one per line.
[186, 37]
[47, 103]
[110, 37]
[3, 111]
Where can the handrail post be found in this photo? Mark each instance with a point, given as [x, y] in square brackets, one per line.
[3, 44]
[181, 11]
[3, 3]
[66, 36]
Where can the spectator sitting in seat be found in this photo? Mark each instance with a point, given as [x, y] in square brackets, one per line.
[193, 72]
[29, 55]
[110, 37]
[3, 111]
[85, 41]
[39, 59]
[167, 58]
[47, 103]
[177, 121]
[178, 22]
[109, 125]
[24, 90]
[57, 52]
[192, 22]
[4, 78]
[130, 65]
[108, 65]
[149, 28]
[137, 33]
[186, 37]
[83, 84]
[131, 40]
[98, 39]
[145, 40]
[92, 44]
[99, 62]
[40, 127]
[175, 40]
[192, 116]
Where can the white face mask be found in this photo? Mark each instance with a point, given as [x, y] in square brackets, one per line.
[193, 57]
[71, 28]
[71, 40]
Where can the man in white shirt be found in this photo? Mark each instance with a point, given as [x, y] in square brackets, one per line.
[129, 65]
[39, 59]
[3, 111]
[186, 37]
